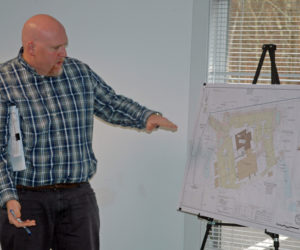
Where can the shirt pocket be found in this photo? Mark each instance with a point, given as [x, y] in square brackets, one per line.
[34, 117]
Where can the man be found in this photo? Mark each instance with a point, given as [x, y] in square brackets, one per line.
[56, 97]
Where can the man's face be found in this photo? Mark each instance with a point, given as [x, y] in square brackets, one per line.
[50, 52]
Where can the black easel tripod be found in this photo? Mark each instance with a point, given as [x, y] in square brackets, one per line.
[274, 74]
[274, 80]
[210, 223]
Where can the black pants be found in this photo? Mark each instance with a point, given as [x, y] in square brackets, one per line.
[67, 219]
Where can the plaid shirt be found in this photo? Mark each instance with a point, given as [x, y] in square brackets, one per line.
[56, 120]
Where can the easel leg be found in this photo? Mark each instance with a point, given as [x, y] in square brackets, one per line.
[208, 228]
[275, 238]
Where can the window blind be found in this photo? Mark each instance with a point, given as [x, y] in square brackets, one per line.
[238, 30]
[245, 238]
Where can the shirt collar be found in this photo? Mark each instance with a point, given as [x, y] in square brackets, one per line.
[24, 63]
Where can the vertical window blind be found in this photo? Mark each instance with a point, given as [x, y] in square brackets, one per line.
[238, 30]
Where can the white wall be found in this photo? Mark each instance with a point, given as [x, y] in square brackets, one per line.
[142, 49]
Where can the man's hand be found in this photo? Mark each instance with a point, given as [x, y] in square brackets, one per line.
[16, 207]
[155, 121]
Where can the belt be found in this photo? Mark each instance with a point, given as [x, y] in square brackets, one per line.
[51, 187]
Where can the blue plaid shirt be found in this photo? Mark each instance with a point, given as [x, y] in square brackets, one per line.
[56, 120]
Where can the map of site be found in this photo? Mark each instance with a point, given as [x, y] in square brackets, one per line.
[244, 162]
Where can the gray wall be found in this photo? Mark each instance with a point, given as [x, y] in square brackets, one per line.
[142, 49]
[194, 229]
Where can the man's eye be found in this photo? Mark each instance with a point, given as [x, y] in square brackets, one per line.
[60, 46]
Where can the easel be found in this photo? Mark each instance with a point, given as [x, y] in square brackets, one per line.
[275, 238]
[210, 223]
[274, 74]
[274, 80]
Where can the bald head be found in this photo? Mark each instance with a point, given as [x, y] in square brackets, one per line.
[44, 41]
[40, 27]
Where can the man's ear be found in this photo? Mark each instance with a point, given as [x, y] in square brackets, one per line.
[31, 48]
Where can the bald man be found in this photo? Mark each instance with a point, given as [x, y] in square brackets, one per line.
[57, 98]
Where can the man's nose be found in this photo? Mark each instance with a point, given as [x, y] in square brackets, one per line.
[63, 51]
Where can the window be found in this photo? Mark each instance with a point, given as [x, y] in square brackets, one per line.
[238, 30]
